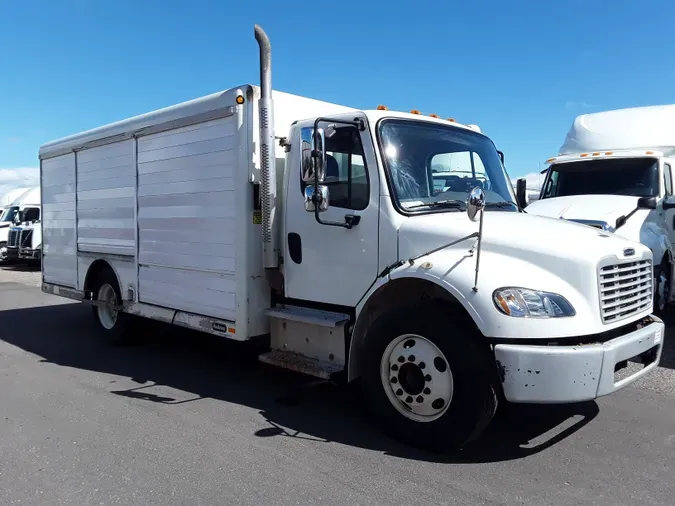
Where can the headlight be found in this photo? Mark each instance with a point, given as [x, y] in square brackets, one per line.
[524, 303]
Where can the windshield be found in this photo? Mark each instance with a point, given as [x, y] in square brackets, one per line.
[432, 166]
[637, 177]
[8, 214]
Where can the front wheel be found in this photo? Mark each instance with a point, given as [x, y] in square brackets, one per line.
[428, 378]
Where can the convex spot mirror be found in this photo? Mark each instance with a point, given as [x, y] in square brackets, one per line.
[475, 203]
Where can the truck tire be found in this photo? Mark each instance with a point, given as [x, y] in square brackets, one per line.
[662, 276]
[115, 326]
[427, 377]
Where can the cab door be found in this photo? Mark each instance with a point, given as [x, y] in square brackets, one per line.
[331, 263]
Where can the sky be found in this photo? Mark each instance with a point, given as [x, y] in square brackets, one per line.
[521, 70]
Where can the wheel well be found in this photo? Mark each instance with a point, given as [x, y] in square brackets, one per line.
[396, 293]
[91, 280]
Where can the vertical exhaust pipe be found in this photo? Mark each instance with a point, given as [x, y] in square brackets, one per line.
[268, 173]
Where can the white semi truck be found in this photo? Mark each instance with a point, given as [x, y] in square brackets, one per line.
[614, 172]
[18, 225]
[320, 229]
[24, 240]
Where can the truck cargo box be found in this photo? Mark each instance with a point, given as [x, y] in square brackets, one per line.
[168, 199]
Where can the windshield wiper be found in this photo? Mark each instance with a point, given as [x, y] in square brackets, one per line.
[500, 204]
[447, 204]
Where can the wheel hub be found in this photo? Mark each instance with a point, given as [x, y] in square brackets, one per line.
[411, 379]
[416, 378]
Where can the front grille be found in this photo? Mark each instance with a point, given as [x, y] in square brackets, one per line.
[13, 239]
[25, 240]
[625, 289]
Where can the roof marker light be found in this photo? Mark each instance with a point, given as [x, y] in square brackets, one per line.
[415, 111]
[583, 155]
[550, 160]
[382, 108]
[596, 154]
[452, 120]
[433, 115]
[649, 152]
[609, 153]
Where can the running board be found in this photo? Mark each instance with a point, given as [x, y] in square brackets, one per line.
[298, 363]
[307, 315]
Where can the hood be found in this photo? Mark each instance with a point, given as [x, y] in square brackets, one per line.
[525, 236]
[605, 208]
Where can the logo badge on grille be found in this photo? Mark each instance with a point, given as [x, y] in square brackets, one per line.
[628, 252]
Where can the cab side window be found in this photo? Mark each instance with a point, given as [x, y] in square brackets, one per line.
[667, 179]
[346, 171]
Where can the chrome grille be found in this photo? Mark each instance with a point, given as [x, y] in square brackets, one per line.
[625, 289]
[26, 238]
[13, 238]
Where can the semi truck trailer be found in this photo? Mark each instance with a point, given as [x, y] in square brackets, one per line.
[322, 231]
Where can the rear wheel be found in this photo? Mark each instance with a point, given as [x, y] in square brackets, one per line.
[113, 323]
[428, 378]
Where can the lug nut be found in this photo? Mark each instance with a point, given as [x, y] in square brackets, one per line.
[399, 392]
[420, 399]
[401, 359]
[427, 377]
[394, 367]
[411, 358]
[394, 379]
[408, 400]
[422, 365]
[427, 391]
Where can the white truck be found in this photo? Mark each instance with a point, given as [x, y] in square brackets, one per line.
[614, 172]
[24, 241]
[21, 203]
[318, 228]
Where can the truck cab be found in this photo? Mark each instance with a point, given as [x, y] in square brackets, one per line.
[614, 173]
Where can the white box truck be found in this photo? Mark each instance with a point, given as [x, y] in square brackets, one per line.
[614, 172]
[321, 229]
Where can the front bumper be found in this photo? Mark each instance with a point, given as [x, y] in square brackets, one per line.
[30, 254]
[564, 374]
[12, 253]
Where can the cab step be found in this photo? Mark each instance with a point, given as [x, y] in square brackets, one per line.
[307, 315]
[299, 363]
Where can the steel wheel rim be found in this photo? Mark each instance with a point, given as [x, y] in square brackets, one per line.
[416, 377]
[106, 315]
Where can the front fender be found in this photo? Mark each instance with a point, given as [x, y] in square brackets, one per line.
[650, 233]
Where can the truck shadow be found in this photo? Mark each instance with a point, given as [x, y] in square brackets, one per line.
[200, 366]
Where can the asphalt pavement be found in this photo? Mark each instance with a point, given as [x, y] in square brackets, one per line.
[181, 418]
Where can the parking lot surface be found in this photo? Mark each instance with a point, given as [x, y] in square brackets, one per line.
[185, 419]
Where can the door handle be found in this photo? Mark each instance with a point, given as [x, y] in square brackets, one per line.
[352, 220]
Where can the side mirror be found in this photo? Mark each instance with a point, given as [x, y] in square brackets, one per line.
[501, 156]
[475, 203]
[316, 198]
[314, 158]
[521, 192]
[646, 203]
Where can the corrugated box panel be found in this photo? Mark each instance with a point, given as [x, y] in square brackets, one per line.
[106, 181]
[58, 214]
[186, 218]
